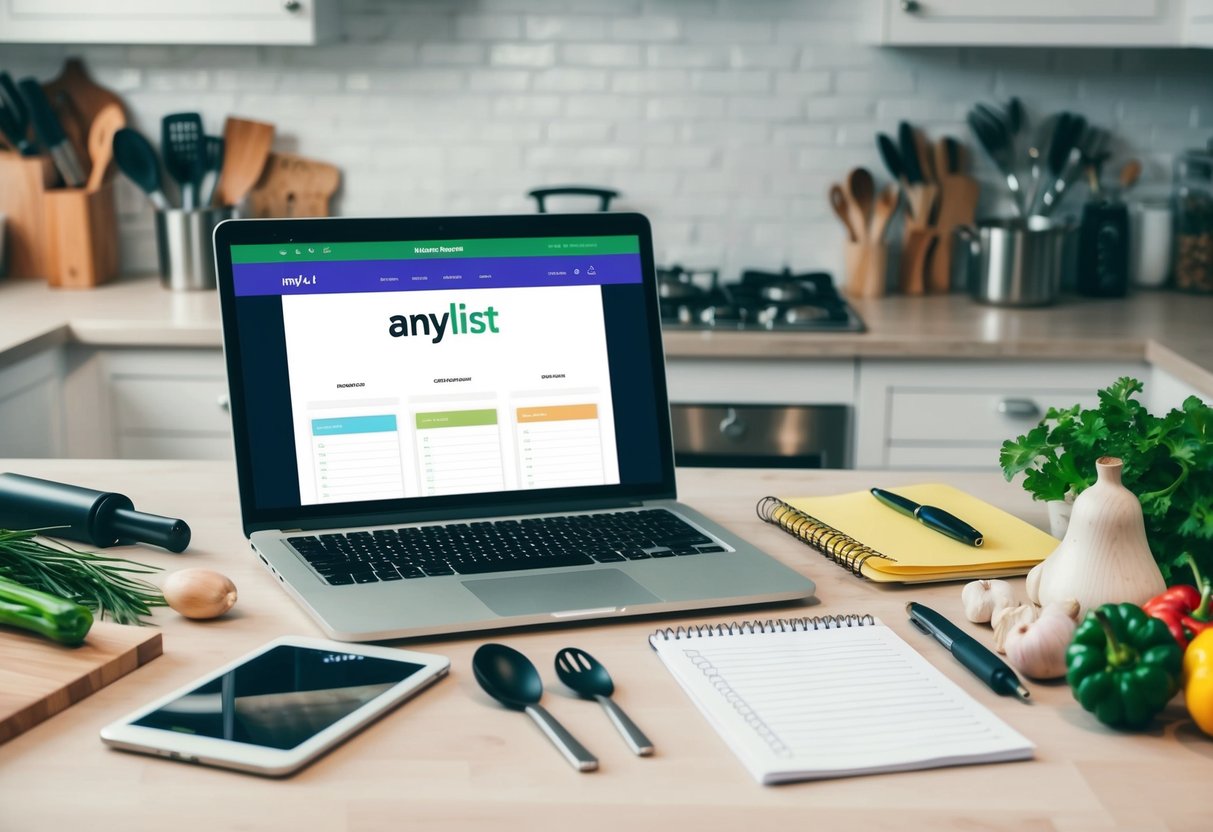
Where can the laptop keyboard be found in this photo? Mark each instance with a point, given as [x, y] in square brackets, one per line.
[503, 546]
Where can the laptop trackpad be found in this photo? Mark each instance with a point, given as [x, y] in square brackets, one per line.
[560, 592]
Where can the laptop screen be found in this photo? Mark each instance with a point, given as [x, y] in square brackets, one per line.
[443, 371]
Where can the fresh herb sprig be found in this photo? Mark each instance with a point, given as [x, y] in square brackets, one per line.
[106, 585]
[1168, 464]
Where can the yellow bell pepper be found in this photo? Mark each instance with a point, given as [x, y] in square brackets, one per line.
[1198, 680]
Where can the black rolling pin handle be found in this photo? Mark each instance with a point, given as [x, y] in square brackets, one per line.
[167, 532]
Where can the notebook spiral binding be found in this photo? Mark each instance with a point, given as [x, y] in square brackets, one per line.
[771, 625]
[844, 550]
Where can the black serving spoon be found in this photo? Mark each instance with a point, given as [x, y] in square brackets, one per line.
[137, 159]
[511, 679]
[585, 675]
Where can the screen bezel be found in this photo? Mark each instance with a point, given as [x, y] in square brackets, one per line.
[412, 509]
[258, 759]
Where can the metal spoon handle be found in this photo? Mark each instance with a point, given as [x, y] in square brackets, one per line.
[639, 743]
[576, 753]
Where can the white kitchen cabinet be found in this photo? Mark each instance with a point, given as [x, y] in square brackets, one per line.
[956, 414]
[148, 404]
[1198, 23]
[281, 22]
[31, 406]
[757, 381]
[1034, 22]
[1165, 391]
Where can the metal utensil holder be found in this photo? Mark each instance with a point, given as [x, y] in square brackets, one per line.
[183, 243]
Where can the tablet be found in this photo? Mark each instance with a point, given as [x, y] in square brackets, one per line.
[276, 709]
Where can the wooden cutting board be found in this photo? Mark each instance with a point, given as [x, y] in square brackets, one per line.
[293, 186]
[39, 678]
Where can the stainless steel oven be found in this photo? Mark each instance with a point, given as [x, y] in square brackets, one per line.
[762, 435]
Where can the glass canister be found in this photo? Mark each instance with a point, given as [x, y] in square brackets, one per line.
[1193, 194]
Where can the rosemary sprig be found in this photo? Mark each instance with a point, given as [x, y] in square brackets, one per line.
[103, 584]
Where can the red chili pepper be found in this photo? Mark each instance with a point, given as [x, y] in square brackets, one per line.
[1185, 609]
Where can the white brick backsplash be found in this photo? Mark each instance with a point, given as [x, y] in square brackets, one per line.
[565, 28]
[684, 55]
[604, 106]
[570, 80]
[451, 54]
[729, 31]
[601, 54]
[725, 120]
[523, 54]
[731, 80]
[644, 28]
[488, 27]
[651, 80]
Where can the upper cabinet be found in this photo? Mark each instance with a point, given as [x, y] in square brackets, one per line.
[1046, 22]
[282, 22]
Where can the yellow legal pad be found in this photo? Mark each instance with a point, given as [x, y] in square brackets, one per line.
[858, 532]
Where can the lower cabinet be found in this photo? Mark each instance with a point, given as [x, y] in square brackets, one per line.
[31, 406]
[148, 404]
[956, 414]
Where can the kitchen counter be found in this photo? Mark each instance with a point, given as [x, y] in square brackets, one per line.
[1168, 329]
[453, 759]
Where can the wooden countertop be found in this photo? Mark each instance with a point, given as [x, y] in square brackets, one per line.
[452, 759]
[1168, 329]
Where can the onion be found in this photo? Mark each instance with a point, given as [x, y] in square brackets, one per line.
[199, 593]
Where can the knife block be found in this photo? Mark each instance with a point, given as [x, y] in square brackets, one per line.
[24, 181]
[69, 236]
[82, 236]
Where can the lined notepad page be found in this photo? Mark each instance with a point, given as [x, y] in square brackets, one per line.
[834, 702]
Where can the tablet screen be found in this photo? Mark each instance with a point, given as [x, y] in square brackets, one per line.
[282, 697]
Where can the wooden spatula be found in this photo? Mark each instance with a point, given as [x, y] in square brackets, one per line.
[246, 148]
[101, 132]
[293, 186]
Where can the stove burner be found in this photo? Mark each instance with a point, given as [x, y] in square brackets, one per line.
[695, 299]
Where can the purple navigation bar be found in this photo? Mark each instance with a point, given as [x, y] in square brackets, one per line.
[346, 276]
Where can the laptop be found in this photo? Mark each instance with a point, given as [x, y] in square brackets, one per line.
[461, 423]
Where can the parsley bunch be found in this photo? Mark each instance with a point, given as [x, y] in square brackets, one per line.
[1168, 464]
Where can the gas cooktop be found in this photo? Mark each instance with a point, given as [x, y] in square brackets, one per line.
[696, 299]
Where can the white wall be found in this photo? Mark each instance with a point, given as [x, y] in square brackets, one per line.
[724, 120]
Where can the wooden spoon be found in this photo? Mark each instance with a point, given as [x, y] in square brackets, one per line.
[246, 149]
[883, 211]
[842, 208]
[861, 193]
[101, 132]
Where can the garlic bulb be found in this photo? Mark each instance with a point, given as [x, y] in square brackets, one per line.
[1038, 648]
[1032, 584]
[982, 599]
[1007, 619]
[199, 593]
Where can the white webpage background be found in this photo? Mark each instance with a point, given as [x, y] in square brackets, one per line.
[544, 331]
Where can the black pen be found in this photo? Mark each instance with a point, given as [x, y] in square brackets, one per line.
[968, 651]
[931, 517]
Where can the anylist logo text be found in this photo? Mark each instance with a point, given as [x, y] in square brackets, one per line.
[300, 280]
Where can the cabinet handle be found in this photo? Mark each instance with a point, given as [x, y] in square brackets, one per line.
[224, 402]
[911, 6]
[292, 6]
[731, 426]
[1019, 408]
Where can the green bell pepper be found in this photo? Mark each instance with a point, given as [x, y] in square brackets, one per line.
[56, 618]
[1123, 665]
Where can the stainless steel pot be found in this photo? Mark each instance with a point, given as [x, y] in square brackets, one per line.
[1016, 262]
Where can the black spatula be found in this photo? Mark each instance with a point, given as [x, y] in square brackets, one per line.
[183, 146]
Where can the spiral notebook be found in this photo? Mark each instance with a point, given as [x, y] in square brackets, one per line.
[859, 533]
[831, 696]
